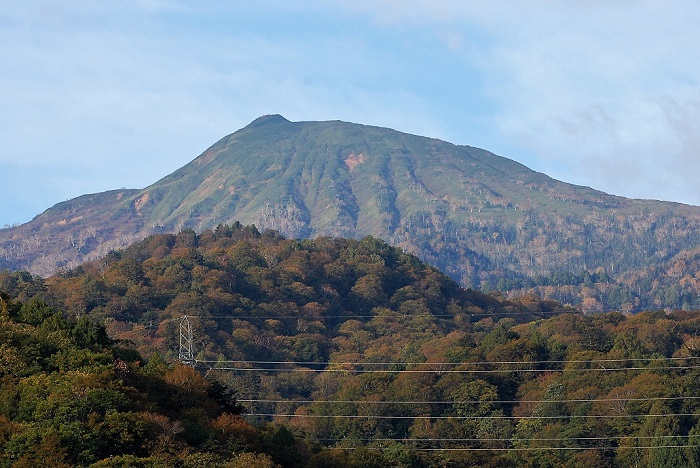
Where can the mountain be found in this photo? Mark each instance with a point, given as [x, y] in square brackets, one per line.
[485, 220]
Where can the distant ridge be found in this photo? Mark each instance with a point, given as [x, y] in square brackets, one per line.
[486, 220]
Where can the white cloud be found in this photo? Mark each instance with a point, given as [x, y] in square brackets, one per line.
[602, 92]
[594, 92]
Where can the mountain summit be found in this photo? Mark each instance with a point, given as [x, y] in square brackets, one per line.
[479, 217]
[267, 120]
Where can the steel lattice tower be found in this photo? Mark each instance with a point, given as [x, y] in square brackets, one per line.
[186, 354]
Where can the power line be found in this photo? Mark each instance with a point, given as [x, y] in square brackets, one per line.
[138, 327]
[375, 416]
[515, 440]
[395, 315]
[399, 315]
[543, 439]
[288, 317]
[272, 317]
[444, 371]
[422, 364]
[133, 330]
[481, 363]
[581, 400]
[522, 449]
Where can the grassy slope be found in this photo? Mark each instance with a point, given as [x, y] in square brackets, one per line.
[475, 215]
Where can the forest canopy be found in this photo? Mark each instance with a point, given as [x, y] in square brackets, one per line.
[331, 351]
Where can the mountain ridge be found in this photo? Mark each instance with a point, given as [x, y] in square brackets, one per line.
[475, 215]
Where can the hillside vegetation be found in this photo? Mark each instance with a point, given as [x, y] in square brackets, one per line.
[70, 396]
[486, 221]
[344, 353]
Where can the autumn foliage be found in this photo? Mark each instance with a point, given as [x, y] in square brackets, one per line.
[338, 353]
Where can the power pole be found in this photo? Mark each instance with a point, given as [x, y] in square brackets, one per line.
[186, 355]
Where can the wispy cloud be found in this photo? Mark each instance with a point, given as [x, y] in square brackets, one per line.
[598, 93]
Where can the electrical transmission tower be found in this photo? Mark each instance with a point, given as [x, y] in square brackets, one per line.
[186, 355]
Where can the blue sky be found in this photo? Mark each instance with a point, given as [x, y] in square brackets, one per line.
[102, 95]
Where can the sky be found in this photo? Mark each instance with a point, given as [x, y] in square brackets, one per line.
[96, 96]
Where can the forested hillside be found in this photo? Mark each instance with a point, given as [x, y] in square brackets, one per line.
[346, 353]
[70, 396]
[301, 289]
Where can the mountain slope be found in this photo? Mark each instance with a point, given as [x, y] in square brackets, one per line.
[477, 216]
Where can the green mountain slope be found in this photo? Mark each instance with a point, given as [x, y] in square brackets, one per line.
[476, 216]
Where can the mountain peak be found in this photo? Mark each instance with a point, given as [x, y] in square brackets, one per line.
[269, 119]
[486, 220]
